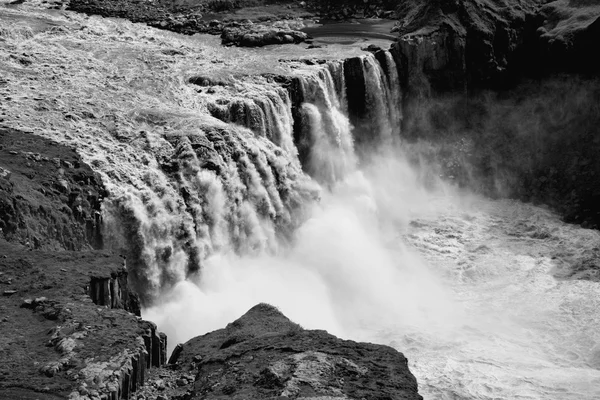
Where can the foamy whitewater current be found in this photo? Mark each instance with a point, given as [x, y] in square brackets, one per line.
[462, 285]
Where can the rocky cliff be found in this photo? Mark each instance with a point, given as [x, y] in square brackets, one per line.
[264, 355]
[459, 45]
[59, 338]
[70, 321]
[505, 93]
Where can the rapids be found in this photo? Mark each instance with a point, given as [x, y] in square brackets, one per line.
[520, 333]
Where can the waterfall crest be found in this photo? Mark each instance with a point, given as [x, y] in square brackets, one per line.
[242, 181]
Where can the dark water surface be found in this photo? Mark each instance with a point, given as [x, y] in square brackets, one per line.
[348, 32]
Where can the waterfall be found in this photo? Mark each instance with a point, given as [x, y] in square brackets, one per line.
[374, 99]
[394, 94]
[224, 189]
[326, 129]
[241, 182]
[377, 99]
[336, 233]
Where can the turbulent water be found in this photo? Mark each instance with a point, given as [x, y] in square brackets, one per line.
[273, 202]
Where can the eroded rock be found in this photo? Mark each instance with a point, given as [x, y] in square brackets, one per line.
[265, 355]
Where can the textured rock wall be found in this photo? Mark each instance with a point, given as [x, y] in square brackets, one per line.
[486, 86]
[265, 355]
[49, 198]
[57, 342]
[114, 291]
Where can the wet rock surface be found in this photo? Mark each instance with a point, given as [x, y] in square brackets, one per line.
[258, 35]
[265, 355]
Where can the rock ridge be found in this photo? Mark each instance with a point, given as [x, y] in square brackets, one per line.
[264, 355]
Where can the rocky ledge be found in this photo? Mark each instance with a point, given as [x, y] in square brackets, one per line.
[70, 323]
[69, 328]
[264, 355]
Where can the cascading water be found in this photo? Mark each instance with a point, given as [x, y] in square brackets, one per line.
[277, 204]
[326, 130]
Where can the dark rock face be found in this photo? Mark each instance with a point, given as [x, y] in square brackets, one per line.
[450, 46]
[49, 198]
[265, 355]
[445, 45]
[568, 32]
[485, 83]
[57, 342]
[113, 291]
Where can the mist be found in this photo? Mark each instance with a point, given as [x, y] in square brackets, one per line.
[347, 271]
[394, 254]
[537, 142]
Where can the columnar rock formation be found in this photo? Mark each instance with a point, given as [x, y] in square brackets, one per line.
[114, 292]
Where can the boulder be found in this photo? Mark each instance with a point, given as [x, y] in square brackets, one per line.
[265, 355]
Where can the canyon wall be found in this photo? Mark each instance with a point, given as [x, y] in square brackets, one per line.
[505, 95]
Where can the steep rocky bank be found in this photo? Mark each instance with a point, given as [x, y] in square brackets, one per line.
[70, 321]
[69, 328]
[506, 94]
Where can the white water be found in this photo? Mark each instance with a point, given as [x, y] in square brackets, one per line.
[462, 285]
